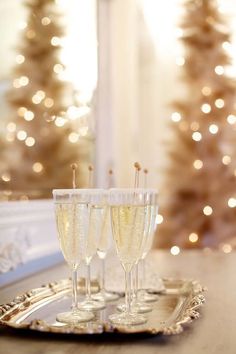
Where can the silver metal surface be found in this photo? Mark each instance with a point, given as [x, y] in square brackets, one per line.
[36, 310]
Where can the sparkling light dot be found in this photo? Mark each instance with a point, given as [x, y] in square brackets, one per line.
[22, 25]
[11, 127]
[21, 111]
[48, 102]
[175, 250]
[6, 177]
[213, 129]
[41, 94]
[23, 80]
[37, 167]
[30, 34]
[206, 91]
[10, 137]
[198, 164]
[58, 68]
[193, 237]
[30, 141]
[194, 126]
[226, 160]
[219, 70]
[55, 41]
[196, 136]
[60, 122]
[36, 99]
[180, 61]
[232, 202]
[45, 21]
[29, 115]
[231, 119]
[219, 103]
[73, 137]
[206, 108]
[207, 210]
[83, 131]
[159, 219]
[227, 46]
[21, 135]
[176, 117]
[227, 248]
[20, 59]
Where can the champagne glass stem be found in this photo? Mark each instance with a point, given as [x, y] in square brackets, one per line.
[128, 292]
[74, 289]
[88, 283]
[102, 275]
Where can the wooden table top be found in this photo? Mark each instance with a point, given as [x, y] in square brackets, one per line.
[213, 333]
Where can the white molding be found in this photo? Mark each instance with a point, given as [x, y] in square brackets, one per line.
[27, 232]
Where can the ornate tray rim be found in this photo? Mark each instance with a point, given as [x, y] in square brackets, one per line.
[56, 289]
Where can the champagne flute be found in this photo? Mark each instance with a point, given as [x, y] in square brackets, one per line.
[143, 295]
[96, 208]
[128, 214]
[72, 225]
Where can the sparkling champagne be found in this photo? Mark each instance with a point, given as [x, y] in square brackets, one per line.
[72, 228]
[128, 223]
[106, 234]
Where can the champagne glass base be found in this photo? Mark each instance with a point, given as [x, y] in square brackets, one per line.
[106, 296]
[137, 307]
[73, 317]
[144, 296]
[92, 305]
[125, 319]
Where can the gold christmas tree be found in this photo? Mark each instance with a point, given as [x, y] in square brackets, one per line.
[41, 142]
[199, 205]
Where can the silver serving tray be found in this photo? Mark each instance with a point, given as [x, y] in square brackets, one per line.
[36, 310]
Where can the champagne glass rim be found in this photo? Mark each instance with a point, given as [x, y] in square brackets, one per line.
[132, 190]
[78, 191]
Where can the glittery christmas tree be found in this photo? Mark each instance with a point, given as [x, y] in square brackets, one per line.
[199, 205]
[41, 141]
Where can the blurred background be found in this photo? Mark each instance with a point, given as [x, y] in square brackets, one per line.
[110, 82]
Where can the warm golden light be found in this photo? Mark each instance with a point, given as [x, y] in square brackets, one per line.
[176, 116]
[60, 122]
[37, 167]
[11, 127]
[45, 21]
[159, 219]
[48, 102]
[207, 210]
[30, 141]
[175, 250]
[23, 80]
[206, 91]
[21, 111]
[227, 248]
[206, 108]
[213, 129]
[231, 119]
[20, 59]
[196, 136]
[219, 70]
[194, 126]
[232, 202]
[58, 68]
[55, 41]
[226, 160]
[29, 115]
[73, 137]
[193, 237]
[219, 103]
[21, 135]
[180, 61]
[6, 177]
[198, 164]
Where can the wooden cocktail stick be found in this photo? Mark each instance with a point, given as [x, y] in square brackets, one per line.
[136, 177]
[145, 171]
[74, 168]
[110, 174]
[90, 178]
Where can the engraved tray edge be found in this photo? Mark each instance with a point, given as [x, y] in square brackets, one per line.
[189, 313]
